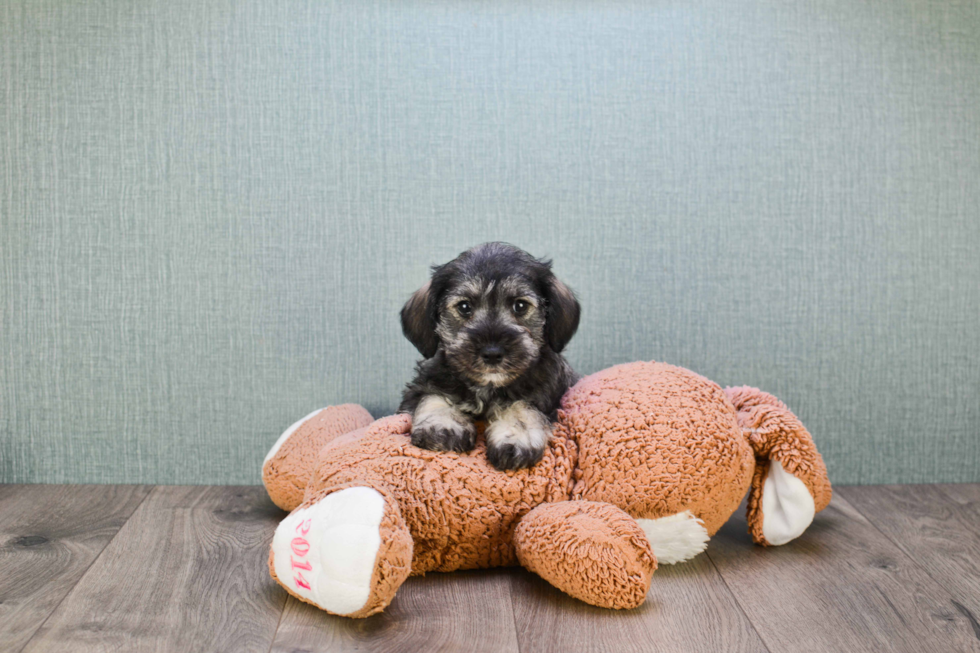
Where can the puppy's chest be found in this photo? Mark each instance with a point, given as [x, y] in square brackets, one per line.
[478, 401]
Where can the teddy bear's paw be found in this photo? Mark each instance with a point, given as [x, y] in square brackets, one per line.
[787, 506]
[675, 538]
[335, 553]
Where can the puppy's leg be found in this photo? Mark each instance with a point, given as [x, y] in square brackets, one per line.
[516, 436]
[437, 425]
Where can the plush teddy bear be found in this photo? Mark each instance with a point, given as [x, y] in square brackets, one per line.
[646, 462]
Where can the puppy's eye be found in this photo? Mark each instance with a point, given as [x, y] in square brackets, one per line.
[521, 306]
[464, 308]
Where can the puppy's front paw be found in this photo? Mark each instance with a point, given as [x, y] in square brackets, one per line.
[513, 456]
[438, 426]
[445, 437]
[517, 436]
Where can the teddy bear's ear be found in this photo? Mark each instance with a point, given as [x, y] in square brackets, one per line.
[563, 313]
[291, 460]
[419, 316]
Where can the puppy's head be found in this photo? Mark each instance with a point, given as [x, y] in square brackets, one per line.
[492, 309]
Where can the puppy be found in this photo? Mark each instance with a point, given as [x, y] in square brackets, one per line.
[491, 325]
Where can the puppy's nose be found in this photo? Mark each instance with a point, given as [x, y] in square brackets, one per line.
[492, 354]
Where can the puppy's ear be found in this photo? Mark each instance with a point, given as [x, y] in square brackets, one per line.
[561, 320]
[419, 316]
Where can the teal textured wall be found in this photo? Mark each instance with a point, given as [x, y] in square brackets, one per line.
[212, 212]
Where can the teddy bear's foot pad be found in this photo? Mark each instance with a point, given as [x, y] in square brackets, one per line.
[787, 506]
[675, 538]
[326, 554]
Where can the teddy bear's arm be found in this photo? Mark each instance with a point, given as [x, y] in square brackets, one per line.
[591, 550]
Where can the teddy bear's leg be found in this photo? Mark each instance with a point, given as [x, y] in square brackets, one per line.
[591, 550]
[347, 552]
[288, 464]
[790, 483]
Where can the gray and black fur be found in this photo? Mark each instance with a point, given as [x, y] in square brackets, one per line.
[491, 325]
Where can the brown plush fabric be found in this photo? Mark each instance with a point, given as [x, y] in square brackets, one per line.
[460, 510]
[593, 551]
[775, 433]
[753, 510]
[286, 473]
[656, 439]
[635, 441]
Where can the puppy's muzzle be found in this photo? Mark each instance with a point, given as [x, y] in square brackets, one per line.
[495, 344]
[492, 354]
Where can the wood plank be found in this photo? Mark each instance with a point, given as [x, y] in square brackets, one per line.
[842, 586]
[461, 611]
[49, 536]
[938, 526]
[689, 608]
[186, 573]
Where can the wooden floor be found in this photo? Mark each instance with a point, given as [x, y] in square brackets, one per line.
[139, 568]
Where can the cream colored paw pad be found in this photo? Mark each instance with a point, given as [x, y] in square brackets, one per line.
[787, 506]
[326, 553]
[675, 538]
